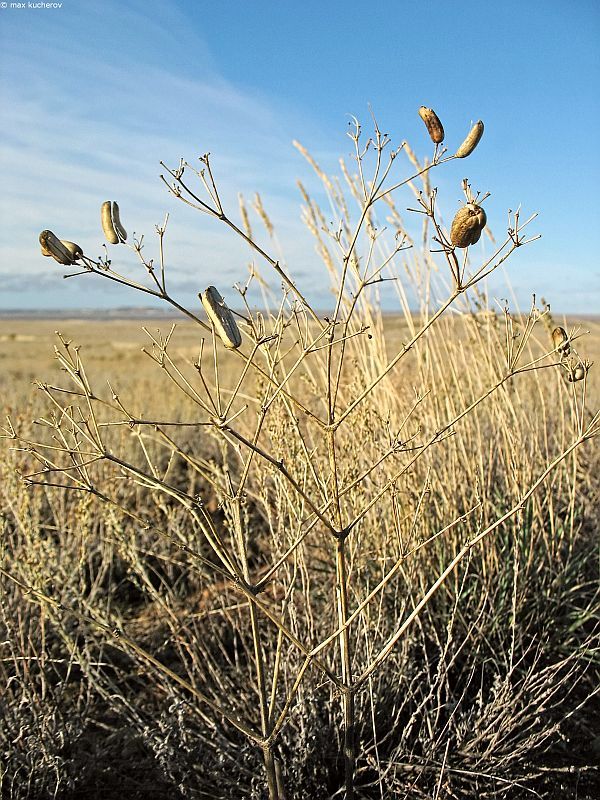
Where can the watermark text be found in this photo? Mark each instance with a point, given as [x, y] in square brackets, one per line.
[33, 4]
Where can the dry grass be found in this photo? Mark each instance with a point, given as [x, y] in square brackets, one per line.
[363, 570]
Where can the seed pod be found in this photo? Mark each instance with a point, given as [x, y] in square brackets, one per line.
[560, 340]
[221, 317]
[111, 223]
[52, 246]
[467, 225]
[107, 223]
[75, 250]
[578, 373]
[119, 229]
[471, 142]
[433, 124]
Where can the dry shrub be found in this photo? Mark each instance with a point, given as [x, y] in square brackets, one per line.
[355, 555]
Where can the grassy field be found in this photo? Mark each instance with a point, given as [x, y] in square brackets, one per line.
[113, 348]
[490, 692]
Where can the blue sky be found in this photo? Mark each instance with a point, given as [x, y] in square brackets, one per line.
[95, 94]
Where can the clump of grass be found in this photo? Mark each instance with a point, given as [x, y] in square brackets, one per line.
[358, 554]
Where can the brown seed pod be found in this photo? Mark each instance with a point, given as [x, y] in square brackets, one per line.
[433, 124]
[52, 246]
[560, 340]
[472, 140]
[467, 225]
[221, 317]
[111, 223]
[73, 249]
[578, 373]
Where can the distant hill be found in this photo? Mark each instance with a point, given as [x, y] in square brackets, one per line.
[145, 312]
[121, 312]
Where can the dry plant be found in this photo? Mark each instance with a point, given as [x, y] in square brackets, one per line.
[314, 515]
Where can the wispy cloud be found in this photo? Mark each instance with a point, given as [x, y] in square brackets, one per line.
[79, 130]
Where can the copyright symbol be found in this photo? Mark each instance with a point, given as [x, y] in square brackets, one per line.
[3, 5]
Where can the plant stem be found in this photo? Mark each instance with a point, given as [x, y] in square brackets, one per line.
[344, 640]
[271, 773]
[264, 707]
[342, 606]
[263, 699]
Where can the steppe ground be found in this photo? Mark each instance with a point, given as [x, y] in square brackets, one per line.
[113, 348]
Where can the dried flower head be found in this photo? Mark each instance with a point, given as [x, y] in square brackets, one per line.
[472, 140]
[62, 251]
[560, 340]
[467, 225]
[433, 124]
[221, 317]
[111, 223]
